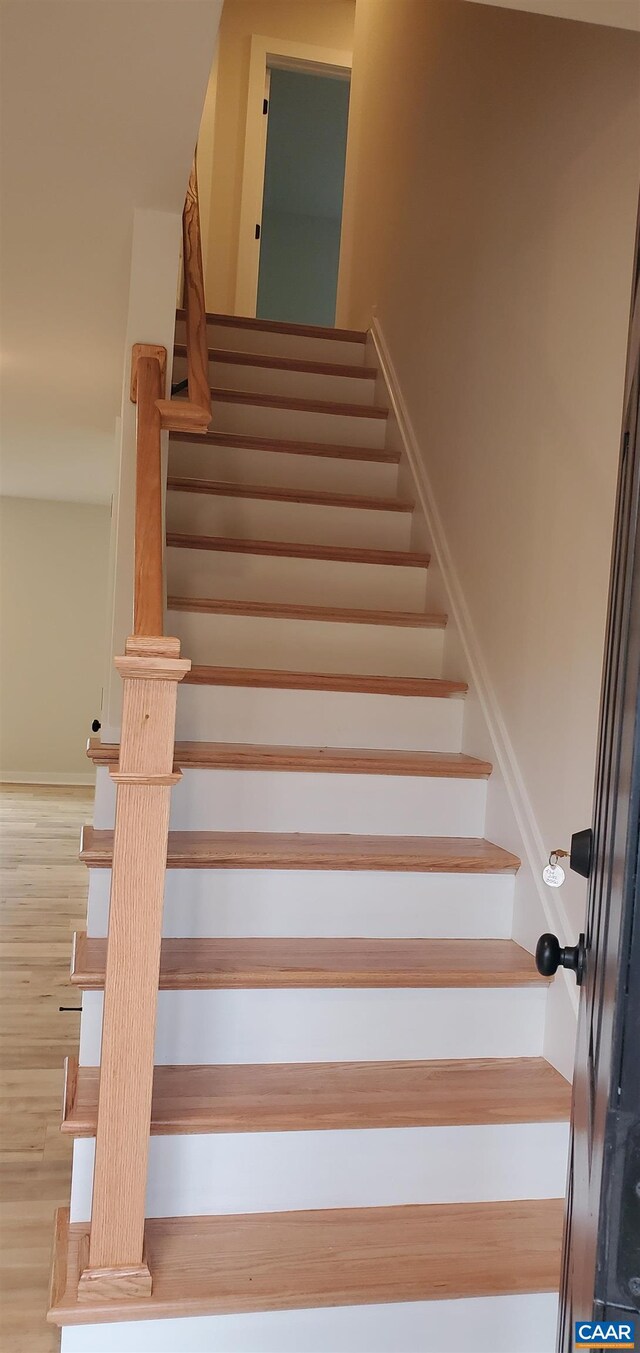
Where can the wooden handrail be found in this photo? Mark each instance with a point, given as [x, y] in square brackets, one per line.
[148, 594]
[192, 414]
[197, 346]
[116, 1265]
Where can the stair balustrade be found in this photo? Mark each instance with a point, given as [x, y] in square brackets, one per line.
[116, 1264]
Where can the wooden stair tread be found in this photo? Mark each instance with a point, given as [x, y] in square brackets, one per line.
[267, 360]
[221, 395]
[236, 441]
[333, 1257]
[285, 549]
[206, 964]
[301, 850]
[289, 610]
[273, 326]
[273, 678]
[220, 488]
[340, 760]
[303, 1096]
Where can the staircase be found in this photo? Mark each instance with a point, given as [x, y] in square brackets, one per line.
[356, 1143]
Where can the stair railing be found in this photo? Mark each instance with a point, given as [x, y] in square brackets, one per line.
[116, 1264]
[192, 414]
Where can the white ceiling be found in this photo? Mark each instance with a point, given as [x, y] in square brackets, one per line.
[612, 13]
[101, 103]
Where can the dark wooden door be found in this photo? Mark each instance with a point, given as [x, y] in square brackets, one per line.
[601, 1254]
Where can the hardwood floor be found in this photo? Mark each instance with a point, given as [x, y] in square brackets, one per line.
[43, 891]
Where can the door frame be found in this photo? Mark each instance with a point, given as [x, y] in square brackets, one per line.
[266, 54]
[602, 1217]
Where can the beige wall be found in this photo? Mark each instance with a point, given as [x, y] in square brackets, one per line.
[53, 582]
[492, 182]
[327, 23]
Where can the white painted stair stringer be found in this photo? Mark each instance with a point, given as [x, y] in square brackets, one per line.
[510, 816]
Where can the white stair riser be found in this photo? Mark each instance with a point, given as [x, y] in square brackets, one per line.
[328, 718]
[262, 519]
[279, 345]
[284, 469]
[239, 1172]
[304, 801]
[309, 426]
[506, 1324]
[316, 902]
[260, 577]
[279, 381]
[307, 645]
[334, 1025]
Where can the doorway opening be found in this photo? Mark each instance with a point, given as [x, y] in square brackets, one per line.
[292, 181]
[299, 233]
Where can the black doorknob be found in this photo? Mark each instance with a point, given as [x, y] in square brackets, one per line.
[550, 956]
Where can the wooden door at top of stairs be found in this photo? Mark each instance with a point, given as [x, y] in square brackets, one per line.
[601, 1260]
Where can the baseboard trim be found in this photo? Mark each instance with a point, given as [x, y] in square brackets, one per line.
[47, 777]
[527, 825]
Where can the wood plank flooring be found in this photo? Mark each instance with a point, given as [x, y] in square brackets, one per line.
[43, 890]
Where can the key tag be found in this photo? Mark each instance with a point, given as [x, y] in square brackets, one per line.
[553, 873]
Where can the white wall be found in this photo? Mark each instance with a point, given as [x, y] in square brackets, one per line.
[53, 584]
[490, 205]
[150, 319]
[100, 105]
[99, 116]
[492, 184]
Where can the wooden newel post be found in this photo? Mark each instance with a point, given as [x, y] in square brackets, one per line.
[116, 1264]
